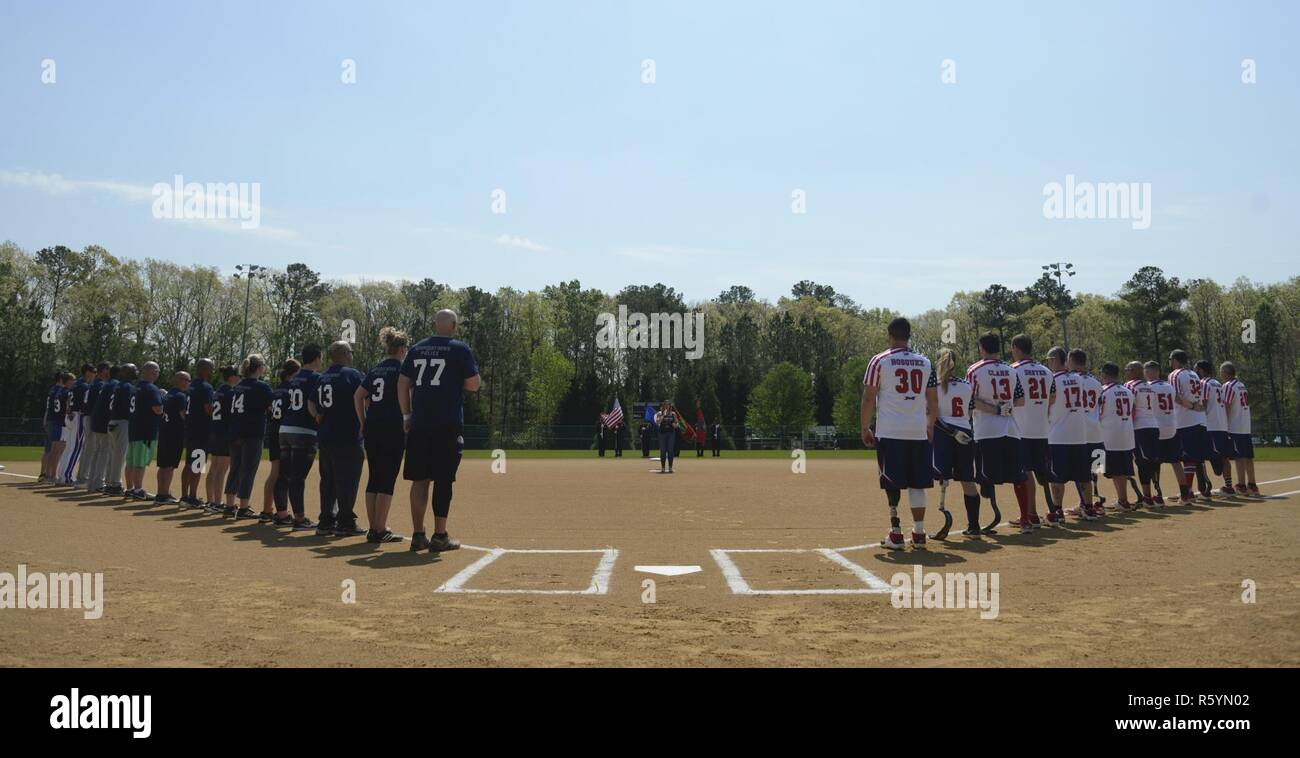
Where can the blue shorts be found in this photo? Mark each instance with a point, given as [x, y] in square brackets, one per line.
[952, 460]
[1243, 446]
[1170, 452]
[54, 431]
[1193, 443]
[1146, 445]
[1034, 456]
[1119, 463]
[1220, 444]
[997, 461]
[1070, 463]
[904, 464]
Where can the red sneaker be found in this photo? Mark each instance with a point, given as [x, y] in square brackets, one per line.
[1254, 490]
[1158, 500]
[1243, 489]
[893, 541]
[918, 541]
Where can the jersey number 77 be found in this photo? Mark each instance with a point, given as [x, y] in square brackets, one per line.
[423, 364]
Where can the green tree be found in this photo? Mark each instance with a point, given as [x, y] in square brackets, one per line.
[848, 405]
[783, 400]
[550, 377]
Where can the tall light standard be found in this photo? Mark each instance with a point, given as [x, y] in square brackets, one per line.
[1061, 270]
[249, 272]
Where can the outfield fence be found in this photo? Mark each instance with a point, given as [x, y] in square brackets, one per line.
[29, 431]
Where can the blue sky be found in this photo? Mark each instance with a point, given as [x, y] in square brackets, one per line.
[914, 187]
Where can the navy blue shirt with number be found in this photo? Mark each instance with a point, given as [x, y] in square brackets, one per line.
[298, 390]
[55, 404]
[334, 391]
[77, 400]
[275, 414]
[221, 410]
[438, 368]
[175, 407]
[249, 402]
[144, 421]
[119, 405]
[384, 416]
[198, 424]
[100, 415]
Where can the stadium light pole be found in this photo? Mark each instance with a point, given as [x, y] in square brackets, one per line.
[249, 272]
[1061, 270]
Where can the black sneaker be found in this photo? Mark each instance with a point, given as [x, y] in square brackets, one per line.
[243, 513]
[419, 542]
[165, 500]
[231, 510]
[265, 518]
[306, 525]
[442, 544]
[282, 520]
[142, 495]
[345, 530]
[324, 530]
[384, 536]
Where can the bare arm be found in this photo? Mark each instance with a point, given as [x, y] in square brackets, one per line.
[404, 400]
[473, 383]
[868, 412]
[360, 401]
[931, 411]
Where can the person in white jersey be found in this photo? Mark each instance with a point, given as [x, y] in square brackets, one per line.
[1189, 417]
[953, 447]
[899, 391]
[1115, 408]
[1031, 421]
[1169, 453]
[1078, 361]
[1067, 436]
[1236, 404]
[995, 392]
[1216, 425]
[1146, 432]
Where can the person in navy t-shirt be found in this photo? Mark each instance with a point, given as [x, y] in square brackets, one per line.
[218, 449]
[146, 409]
[198, 429]
[435, 375]
[339, 439]
[250, 400]
[298, 434]
[376, 402]
[171, 437]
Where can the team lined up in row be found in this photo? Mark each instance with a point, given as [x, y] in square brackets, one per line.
[106, 427]
[1057, 421]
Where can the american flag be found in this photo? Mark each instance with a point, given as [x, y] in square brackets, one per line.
[615, 416]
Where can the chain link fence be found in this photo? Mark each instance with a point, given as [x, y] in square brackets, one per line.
[28, 431]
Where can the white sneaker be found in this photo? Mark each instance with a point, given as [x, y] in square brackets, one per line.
[893, 541]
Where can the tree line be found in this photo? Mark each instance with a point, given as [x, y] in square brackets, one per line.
[796, 362]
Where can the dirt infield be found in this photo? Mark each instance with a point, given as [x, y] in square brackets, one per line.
[185, 588]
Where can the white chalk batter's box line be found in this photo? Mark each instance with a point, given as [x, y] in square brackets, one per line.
[599, 580]
[872, 584]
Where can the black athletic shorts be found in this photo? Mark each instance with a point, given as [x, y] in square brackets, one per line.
[170, 451]
[433, 453]
[218, 444]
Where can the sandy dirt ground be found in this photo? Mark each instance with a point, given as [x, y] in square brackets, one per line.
[187, 589]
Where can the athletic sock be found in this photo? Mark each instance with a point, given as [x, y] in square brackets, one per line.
[918, 527]
[972, 511]
[1022, 499]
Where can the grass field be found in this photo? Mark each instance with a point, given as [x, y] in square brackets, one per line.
[16, 453]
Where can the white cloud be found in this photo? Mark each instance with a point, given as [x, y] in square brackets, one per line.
[521, 242]
[57, 185]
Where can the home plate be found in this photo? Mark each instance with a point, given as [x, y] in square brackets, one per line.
[667, 570]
